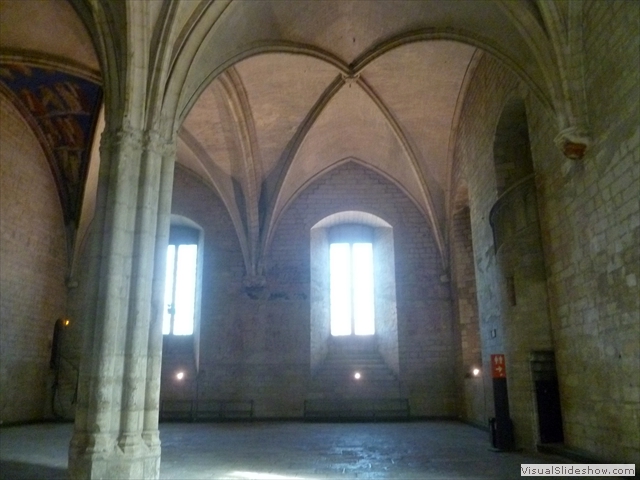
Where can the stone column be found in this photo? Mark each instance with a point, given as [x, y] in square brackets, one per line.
[154, 349]
[120, 372]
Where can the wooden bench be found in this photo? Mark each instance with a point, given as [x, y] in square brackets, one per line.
[356, 409]
[206, 410]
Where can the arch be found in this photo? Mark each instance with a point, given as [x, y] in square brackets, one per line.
[272, 186]
[546, 92]
[384, 285]
[352, 216]
[531, 40]
[273, 225]
[511, 147]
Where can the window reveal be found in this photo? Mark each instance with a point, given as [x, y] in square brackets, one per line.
[180, 289]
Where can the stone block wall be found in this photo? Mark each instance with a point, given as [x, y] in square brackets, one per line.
[485, 98]
[259, 348]
[511, 300]
[221, 342]
[472, 407]
[33, 265]
[386, 305]
[425, 338]
[589, 216]
[590, 220]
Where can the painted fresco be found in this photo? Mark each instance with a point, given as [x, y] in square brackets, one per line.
[63, 110]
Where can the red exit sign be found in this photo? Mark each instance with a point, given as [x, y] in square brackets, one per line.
[498, 366]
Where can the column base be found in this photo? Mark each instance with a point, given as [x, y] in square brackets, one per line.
[141, 462]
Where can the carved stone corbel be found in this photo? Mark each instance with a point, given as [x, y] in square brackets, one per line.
[254, 285]
[573, 142]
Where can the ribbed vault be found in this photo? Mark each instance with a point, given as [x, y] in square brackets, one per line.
[267, 95]
[302, 115]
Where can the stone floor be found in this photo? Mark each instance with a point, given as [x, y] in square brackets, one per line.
[287, 451]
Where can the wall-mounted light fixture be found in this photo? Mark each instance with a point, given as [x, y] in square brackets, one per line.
[473, 372]
[180, 375]
[357, 376]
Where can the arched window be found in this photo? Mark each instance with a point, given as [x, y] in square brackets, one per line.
[181, 281]
[353, 289]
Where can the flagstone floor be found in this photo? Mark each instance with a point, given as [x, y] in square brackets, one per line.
[288, 451]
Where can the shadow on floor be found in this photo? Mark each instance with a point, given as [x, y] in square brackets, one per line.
[28, 471]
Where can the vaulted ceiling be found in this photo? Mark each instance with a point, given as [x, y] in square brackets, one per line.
[295, 116]
[276, 93]
[283, 91]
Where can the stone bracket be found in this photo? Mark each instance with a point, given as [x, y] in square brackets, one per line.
[573, 142]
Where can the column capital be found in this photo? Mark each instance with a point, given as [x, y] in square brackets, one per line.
[159, 143]
[119, 137]
[254, 285]
[148, 140]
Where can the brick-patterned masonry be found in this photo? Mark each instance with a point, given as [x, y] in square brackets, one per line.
[473, 405]
[32, 269]
[589, 219]
[259, 348]
[481, 111]
[425, 341]
[507, 328]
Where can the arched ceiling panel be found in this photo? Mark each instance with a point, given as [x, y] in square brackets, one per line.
[345, 31]
[420, 84]
[281, 88]
[189, 154]
[350, 126]
[213, 126]
[62, 110]
[47, 27]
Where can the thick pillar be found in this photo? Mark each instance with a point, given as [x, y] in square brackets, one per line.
[116, 429]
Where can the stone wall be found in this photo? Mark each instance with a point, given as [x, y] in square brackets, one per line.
[473, 405]
[259, 348]
[485, 98]
[33, 264]
[221, 339]
[511, 293]
[590, 217]
[426, 356]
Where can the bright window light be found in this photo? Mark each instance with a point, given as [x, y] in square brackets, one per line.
[180, 290]
[340, 260]
[351, 284]
[362, 285]
[168, 290]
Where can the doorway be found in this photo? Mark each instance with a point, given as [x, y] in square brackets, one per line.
[543, 367]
